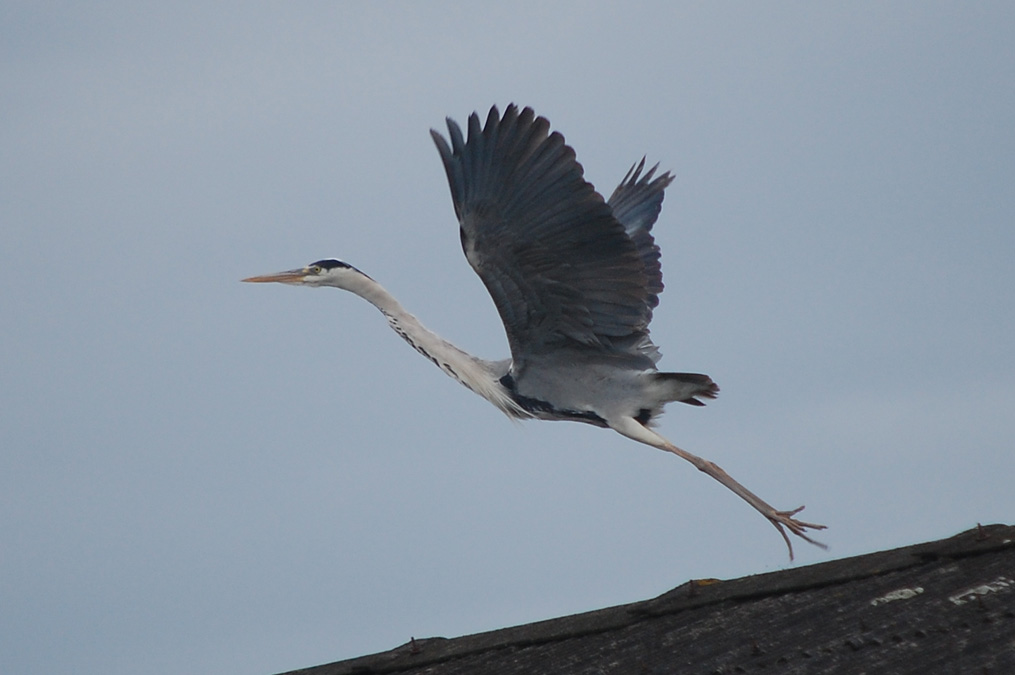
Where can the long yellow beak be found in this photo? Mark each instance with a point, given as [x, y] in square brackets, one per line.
[288, 277]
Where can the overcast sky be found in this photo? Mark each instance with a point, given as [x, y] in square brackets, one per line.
[200, 475]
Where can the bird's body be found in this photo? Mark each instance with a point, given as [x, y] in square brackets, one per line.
[575, 279]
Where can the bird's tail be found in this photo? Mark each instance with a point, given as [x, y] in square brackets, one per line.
[683, 387]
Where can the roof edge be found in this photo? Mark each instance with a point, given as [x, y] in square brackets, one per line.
[692, 594]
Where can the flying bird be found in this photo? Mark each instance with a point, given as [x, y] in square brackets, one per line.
[575, 279]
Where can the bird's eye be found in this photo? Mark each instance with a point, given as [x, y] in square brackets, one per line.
[316, 269]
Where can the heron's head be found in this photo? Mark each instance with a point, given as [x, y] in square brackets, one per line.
[321, 273]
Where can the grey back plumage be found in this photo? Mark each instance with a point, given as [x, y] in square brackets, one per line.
[566, 269]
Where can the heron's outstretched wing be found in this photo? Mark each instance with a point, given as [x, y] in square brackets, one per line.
[560, 267]
[636, 204]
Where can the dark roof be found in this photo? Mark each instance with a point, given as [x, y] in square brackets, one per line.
[942, 607]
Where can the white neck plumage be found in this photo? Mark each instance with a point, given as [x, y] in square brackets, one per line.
[479, 375]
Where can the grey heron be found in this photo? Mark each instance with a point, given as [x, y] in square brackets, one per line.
[575, 279]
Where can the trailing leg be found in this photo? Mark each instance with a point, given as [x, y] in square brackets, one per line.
[630, 427]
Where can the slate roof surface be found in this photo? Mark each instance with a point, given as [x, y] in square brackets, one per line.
[945, 606]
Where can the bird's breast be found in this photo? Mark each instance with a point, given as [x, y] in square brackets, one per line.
[547, 410]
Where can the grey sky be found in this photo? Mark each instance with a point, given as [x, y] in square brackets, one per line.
[198, 475]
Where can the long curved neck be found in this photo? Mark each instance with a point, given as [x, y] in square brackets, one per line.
[477, 374]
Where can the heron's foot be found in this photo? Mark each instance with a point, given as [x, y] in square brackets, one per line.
[785, 519]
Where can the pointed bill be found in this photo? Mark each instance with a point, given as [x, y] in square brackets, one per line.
[287, 277]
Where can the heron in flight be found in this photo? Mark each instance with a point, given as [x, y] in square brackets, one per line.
[575, 279]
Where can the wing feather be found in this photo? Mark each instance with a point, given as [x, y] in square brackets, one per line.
[636, 204]
[562, 266]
